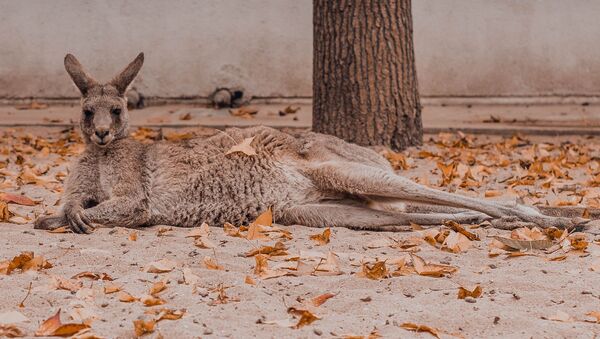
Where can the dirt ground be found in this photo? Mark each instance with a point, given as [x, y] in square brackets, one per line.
[523, 296]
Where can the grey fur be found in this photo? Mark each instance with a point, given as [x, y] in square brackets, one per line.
[314, 179]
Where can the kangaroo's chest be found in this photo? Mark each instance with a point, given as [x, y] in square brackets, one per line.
[107, 179]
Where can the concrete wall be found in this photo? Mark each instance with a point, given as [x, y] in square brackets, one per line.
[463, 47]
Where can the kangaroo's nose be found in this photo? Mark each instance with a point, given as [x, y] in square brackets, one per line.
[101, 133]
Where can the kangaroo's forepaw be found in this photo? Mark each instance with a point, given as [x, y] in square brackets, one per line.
[50, 222]
[79, 222]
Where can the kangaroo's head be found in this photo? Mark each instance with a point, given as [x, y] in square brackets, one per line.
[104, 116]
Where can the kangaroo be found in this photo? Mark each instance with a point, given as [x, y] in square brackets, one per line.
[312, 179]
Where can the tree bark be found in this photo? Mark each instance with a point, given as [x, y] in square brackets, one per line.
[364, 77]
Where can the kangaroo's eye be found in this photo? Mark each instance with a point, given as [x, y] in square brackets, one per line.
[88, 113]
[116, 111]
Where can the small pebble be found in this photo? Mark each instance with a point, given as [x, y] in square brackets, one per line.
[470, 300]
[317, 331]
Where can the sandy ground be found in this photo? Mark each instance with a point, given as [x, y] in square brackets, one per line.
[518, 293]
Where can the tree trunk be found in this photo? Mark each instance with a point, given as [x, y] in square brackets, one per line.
[364, 77]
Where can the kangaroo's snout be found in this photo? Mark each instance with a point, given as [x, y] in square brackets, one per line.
[101, 133]
[102, 136]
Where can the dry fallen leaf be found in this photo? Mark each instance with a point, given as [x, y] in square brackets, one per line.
[149, 300]
[595, 315]
[126, 297]
[25, 261]
[248, 280]
[243, 147]
[421, 328]
[189, 277]
[321, 299]
[232, 231]
[197, 232]
[322, 238]
[93, 276]
[53, 327]
[133, 236]
[456, 242]
[17, 199]
[10, 331]
[375, 271]
[276, 250]
[166, 313]
[110, 288]
[431, 270]
[211, 263]
[143, 326]
[157, 287]
[524, 244]
[4, 212]
[262, 268]
[161, 266]
[475, 293]
[306, 317]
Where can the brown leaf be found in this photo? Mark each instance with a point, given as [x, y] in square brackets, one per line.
[53, 327]
[25, 261]
[275, 250]
[211, 263]
[4, 212]
[162, 231]
[133, 236]
[524, 244]
[431, 270]
[248, 280]
[142, 326]
[262, 268]
[289, 110]
[322, 238]
[204, 243]
[232, 231]
[17, 199]
[449, 172]
[595, 315]
[421, 328]
[32, 105]
[157, 287]
[61, 229]
[92, 275]
[456, 243]
[126, 297]
[578, 241]
[376, 271]
[166, 313]
[475, 293]
[243, 147]
[149, 300]
[306, 317]
[321, 299]
[110, 288]
[10, 331]
[187, 116]
[197, 232]
[161, 266]
[244, 112]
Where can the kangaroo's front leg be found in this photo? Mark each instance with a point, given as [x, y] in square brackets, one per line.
[120, 211]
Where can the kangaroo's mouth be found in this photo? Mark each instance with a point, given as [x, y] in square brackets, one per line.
[102, 141]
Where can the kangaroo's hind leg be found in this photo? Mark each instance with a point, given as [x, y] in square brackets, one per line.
[364, 218]
[368, 181]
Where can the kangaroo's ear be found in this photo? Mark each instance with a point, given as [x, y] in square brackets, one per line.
[126, 77]
[81, 79]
